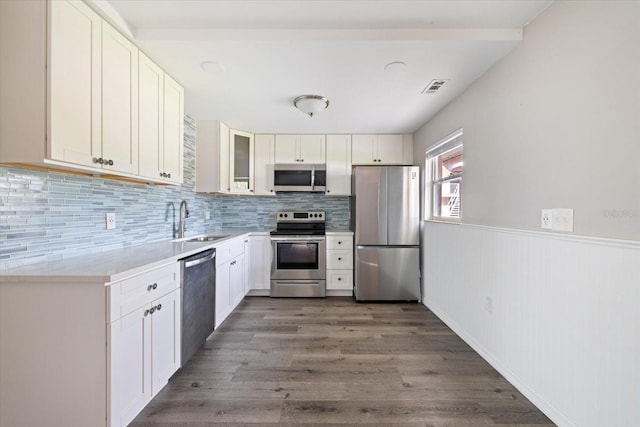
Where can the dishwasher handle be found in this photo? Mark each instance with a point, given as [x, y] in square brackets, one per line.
[198, 259]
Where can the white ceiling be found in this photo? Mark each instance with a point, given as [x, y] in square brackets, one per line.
[269, 52]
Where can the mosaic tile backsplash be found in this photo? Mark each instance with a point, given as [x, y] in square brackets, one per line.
[47, 216]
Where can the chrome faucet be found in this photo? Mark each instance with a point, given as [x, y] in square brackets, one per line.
[174, 230]
[182, 218]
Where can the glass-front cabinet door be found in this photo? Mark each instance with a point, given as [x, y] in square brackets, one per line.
[241, 166]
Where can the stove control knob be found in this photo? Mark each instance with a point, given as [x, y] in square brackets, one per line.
[320, 215]
[286, 215]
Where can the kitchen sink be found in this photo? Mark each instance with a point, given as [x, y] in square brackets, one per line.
[207, 238]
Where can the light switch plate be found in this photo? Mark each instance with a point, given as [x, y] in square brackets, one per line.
[563, 220]
[546, 219]
[111, 220]
[207, 215]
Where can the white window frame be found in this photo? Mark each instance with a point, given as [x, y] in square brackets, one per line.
[448, 143]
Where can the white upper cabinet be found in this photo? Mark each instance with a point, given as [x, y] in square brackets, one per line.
[338, 165]
[241, 158]
[172, 150]
[378, 150]
[119, 102]
[75, 83]
[263, 165]
[80, 76]
[212, 157]
[224, 160]
[161, 128]
[151, 114]
[300, 148]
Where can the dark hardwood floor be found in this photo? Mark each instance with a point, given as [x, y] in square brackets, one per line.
[335, 362]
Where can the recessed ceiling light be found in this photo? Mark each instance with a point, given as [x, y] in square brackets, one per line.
[212, 67]
[394, 67]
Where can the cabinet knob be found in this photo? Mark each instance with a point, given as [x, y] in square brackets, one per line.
[146, 313]
[152, 287]
[339, 259]
[168, 175]
[96, 160]
[339, 242]
[152, 310]
[328, 191]
[251, 191]
[339, 279]
[159, 307]
[109, 162]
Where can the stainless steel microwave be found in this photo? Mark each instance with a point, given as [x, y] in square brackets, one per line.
[300, 177]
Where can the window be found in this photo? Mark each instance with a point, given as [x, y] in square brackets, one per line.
[444, 170]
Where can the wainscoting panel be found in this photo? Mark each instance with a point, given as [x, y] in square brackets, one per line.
[557, 315]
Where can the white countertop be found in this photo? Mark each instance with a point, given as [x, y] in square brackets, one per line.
[114, 265]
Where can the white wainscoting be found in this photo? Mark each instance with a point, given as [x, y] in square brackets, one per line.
[565, 320]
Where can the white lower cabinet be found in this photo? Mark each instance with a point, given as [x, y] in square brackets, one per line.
[339, 262]
[247, 263]
[109, 349]
[230, 277]
[144, 344]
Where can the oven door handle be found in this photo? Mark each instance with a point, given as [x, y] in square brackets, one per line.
[297, 239]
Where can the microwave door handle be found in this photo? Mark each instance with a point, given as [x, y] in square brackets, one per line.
[313, 178]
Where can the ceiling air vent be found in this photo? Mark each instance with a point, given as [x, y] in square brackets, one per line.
[434, 86]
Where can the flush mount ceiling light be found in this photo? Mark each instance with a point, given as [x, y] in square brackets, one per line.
[311, 104]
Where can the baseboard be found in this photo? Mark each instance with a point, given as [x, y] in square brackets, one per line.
[549, 410]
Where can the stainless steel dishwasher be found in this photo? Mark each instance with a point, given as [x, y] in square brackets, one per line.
[198, 290]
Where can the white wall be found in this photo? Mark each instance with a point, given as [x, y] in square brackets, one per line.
[555, 124]
[565, 324]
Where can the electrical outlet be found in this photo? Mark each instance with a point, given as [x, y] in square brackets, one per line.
[546, 220]
[111, 220]
[563, 220]
[488, 304]
[207, 215]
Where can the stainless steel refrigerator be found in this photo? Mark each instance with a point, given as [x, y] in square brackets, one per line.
[385, 212]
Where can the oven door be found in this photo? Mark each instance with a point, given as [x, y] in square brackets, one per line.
[298, 258]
